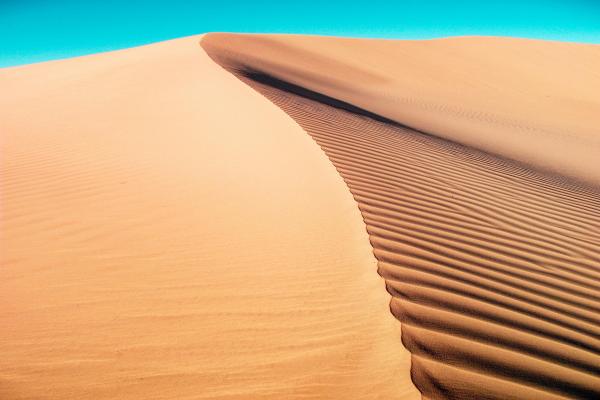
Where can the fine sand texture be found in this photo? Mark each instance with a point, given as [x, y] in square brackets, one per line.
[532, 101]
[493, 266]
[168, 233]
[206, 218]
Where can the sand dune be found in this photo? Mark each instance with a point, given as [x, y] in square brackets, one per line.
[168, 233]
[205, 218]
[493, 267]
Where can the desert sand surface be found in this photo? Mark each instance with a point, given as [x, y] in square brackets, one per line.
[493, 266]
[220, 216]
[528, 100]
[170, 234]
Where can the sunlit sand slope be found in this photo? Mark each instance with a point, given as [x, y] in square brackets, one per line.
[493, 268]
[527, 100]
[167, 233]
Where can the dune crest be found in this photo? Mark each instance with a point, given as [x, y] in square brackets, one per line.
[528, 100]
[493, 267]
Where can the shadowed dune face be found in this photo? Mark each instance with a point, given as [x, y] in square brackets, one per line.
[531, 101]
[170, 234]
[493, 267]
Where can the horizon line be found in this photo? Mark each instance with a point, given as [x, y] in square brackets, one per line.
[43, 60]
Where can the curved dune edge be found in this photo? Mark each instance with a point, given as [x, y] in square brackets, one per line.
[170, 234]
[493, 268]
[531, 101]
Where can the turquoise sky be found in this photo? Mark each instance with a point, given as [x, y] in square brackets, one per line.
[39, 30]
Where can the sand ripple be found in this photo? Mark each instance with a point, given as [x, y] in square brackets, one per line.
[493, 267]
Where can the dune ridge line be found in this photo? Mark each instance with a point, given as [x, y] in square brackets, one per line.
[493, 266]
[526, 100]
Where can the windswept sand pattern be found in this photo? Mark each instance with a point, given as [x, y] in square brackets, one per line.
[493, 268]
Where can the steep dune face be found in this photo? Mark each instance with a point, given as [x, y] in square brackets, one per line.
[530, 101]
[169, 233]
[493, 267]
